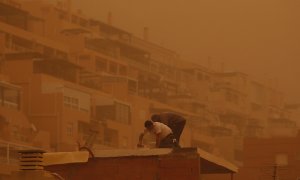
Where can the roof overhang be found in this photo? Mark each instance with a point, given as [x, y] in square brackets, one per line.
[211, 164]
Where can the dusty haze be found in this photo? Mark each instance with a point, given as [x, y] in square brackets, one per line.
[258, 37]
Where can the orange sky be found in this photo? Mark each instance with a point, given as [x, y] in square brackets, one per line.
[259, 37]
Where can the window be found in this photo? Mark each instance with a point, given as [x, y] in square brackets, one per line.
[7, 40]
[74, 19]
[84, 57]
[58, 69]
[232, 97]
[111, 137]
[10, 98]
[122, 113]
[75, 103]
[83, 22]
[62, 16]
[105, 112]
[113, 68]
[122, 70]
[70, 128]
[67, 101]
[207, 78]
[20, 44]
[101, 64]
[71, 102]
[118, 112]
[132, 86]
[220, 131]
[50, 52]
[77, 100]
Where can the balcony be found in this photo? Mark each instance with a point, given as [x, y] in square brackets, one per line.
[110, 31]
[11, 13]
[91, 80]
[141, 65]
[112, 110]
[102, 46]
[9, 96]
[254, 131]
[188, 103]
[282, 127]
[220, 131]
[72, 29]
[58, 68]
[135, 56]
[234, 119]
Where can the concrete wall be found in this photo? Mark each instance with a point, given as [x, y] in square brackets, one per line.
[132, 168]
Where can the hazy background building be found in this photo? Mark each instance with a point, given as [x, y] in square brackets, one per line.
[69, 79]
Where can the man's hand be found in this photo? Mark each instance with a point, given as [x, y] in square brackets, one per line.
[140, 143]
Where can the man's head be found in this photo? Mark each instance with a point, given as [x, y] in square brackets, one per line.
[155, 118]
[148, 124]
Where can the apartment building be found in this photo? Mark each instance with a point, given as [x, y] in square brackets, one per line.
[268, 158]
[79, 75]
[16, 131]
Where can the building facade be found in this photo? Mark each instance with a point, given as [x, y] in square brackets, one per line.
[76, 81]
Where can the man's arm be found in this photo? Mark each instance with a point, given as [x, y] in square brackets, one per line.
[141, 136]
[157, 140]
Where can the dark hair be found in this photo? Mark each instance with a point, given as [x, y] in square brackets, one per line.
[148, 124]
[155, 118]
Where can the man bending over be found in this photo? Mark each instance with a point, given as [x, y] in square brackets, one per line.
[164, 135]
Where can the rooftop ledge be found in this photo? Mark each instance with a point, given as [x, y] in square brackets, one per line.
[209, 163]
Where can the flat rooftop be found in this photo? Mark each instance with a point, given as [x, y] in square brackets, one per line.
[209, 163]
